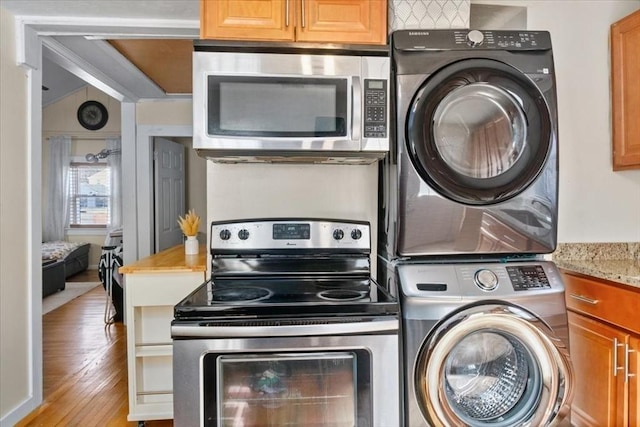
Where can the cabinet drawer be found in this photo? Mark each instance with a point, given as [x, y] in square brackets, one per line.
[602, 300]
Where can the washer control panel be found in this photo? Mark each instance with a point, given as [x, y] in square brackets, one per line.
[493, 280]
[528, 277]
[497, 277]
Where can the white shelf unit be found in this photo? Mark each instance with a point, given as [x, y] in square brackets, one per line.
[150, 298]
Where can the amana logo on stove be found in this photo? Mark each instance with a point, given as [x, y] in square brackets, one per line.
[291, 244]
[418, 33]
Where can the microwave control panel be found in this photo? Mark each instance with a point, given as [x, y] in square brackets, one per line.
[375, 108]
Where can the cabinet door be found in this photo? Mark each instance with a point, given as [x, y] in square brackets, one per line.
[625, 92]
[247, 19]
[599, 394]
[634, 381]
[342, 21]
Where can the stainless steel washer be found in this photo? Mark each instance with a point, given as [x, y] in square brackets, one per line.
[483, 345]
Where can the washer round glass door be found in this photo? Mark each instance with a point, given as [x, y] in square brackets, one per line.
[479, 131]
[493, 365]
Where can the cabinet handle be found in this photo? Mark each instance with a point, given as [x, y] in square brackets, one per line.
[286, 13]
[627, 374]
[584, 299]
[302, 13]
[616, 368]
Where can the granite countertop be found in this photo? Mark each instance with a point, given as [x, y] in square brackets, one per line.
[618, 262]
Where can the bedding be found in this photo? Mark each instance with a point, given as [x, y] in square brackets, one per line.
[74, 254]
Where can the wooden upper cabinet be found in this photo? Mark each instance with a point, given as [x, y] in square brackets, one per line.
[318, 21]
[343, 21]
[625, 92]
[246, 20]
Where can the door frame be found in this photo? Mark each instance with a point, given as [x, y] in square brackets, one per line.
[29, 34]
[144, 177]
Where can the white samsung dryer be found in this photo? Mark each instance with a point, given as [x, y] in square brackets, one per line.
[473, 166]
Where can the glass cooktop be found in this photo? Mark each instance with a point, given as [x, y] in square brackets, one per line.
[286, 296]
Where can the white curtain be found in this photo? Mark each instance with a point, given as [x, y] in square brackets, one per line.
[56, 215]
[115, 165]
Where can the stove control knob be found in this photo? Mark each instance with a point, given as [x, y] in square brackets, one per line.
[475, 38]
[338, 234]
[356, 234]
[486, 280]
[243, 234]
[225, 234]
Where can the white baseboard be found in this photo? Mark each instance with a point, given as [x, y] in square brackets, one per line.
[12, 417]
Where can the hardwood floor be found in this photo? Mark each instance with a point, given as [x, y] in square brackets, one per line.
[85, 276]
[85, 367]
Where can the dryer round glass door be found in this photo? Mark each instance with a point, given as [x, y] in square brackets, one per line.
[479, 131]
[493, 364]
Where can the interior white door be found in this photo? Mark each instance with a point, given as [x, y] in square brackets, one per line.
[169, 191]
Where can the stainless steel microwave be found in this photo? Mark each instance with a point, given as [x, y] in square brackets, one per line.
[291, 107]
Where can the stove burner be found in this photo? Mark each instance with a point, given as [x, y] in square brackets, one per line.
[240, 294]
[341, 295]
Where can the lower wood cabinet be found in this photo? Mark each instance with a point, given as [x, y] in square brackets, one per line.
[604, 337]
[150, 298]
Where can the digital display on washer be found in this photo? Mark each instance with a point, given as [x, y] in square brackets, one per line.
[528, 277]
[291, 231]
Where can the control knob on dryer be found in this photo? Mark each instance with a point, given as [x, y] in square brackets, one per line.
[475, 38]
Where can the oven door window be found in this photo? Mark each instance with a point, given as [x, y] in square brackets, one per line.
[311, 389]
[278, 107]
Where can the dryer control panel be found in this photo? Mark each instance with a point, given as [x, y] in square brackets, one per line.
[471, 40]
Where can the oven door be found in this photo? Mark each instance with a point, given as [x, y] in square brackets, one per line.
[276, 379]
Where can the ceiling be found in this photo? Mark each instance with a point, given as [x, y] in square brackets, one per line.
[125, 68]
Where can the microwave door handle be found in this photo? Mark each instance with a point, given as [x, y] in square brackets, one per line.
[356, 109]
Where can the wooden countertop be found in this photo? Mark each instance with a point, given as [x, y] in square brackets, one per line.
[172, 259]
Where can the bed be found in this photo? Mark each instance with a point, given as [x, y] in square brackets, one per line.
[61, 259]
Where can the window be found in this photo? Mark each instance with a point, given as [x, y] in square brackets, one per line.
[89, 195]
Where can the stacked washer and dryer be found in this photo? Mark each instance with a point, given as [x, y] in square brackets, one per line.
[468, 207]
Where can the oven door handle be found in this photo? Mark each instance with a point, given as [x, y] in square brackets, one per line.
[255, 331]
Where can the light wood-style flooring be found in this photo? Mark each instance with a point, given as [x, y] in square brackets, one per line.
[85, 366]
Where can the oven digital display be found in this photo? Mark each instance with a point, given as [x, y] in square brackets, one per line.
[291, 231]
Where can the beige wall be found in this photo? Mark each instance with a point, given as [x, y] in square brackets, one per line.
[60, 118]
[15, 283]
[166, 113]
